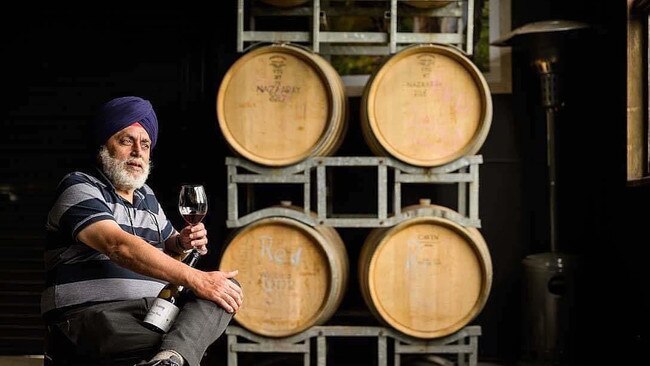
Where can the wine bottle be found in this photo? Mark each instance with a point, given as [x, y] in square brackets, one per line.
[166, 306]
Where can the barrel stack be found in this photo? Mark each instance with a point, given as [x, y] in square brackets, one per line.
[423, 109]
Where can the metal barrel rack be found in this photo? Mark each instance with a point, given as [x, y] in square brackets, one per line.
[464, 172]
[321, 40]
[312, 175]
[463, 344]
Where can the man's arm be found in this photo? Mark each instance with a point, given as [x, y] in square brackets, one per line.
[132, 252]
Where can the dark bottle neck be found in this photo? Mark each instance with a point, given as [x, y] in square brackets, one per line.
[192, 258]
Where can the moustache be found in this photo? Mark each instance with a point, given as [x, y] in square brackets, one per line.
[135, 161]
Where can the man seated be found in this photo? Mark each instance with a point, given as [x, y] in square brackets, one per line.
[109, 253]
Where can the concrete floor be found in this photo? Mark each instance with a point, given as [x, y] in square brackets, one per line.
[21, 360]
[38, 361]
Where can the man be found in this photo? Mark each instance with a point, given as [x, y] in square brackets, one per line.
[108, 254]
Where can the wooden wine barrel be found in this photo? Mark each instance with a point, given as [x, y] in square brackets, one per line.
[427, 105]
[285, 3]
[426, 277]
[280, 104]
[294, 276]
[428, 4]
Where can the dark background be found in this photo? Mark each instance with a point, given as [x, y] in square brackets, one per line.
[59, 63]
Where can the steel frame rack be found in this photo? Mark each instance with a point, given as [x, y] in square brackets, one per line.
[356, 43]
[463, 171]
[463, 344]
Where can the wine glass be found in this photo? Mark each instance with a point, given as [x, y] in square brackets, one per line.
[192, 203]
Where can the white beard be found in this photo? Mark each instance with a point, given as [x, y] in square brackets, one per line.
[117, 171]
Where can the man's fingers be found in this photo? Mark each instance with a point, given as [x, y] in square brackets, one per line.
[236, 296]
[199, 240]
[197, 227]
[236, 288]
[202, 249]
[225, 305]
[198, 234]
[231, 274]
[230, 300]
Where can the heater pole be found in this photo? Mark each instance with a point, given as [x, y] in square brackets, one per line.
[550, 159]
[551, 102]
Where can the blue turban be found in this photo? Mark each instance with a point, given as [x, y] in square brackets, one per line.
[120, 113]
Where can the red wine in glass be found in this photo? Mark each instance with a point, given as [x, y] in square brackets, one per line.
[193, 218]
[192, 203]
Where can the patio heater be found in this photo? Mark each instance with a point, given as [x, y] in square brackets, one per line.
[549, 285]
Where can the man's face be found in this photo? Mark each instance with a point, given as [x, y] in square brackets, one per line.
[125, 157]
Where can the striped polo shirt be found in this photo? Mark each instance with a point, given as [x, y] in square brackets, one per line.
[78, 274]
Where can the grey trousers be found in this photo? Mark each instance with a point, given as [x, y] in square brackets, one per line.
[112, 333]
